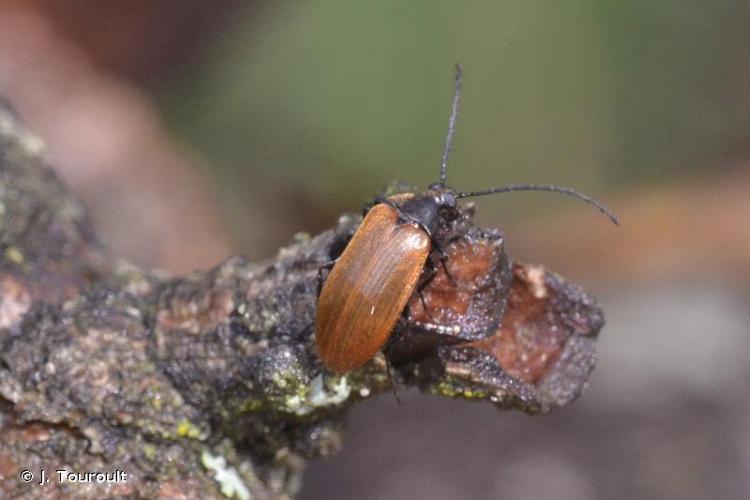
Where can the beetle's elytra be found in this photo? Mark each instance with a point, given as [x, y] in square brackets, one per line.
[363, 297]
[378, 271]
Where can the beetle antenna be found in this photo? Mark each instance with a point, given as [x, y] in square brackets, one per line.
[545, 187]
[451, 124]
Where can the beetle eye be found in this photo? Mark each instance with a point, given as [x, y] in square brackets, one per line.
[449, 200]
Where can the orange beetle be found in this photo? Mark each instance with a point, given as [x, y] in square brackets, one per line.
[378, 271]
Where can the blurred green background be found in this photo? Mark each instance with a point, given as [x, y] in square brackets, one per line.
[326, 102]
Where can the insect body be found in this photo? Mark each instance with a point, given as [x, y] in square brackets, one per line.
[378, 271]
[368, 288]
[372, 281]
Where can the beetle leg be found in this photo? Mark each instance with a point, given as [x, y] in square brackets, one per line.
[390, 377]
[447, 273]
[443, 260]
[403, 319]
[327, 265]
[429, 273]
[424, 304]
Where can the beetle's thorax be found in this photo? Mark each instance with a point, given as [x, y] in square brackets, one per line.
[426, 209]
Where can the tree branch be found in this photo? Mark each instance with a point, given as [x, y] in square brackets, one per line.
[210, 382]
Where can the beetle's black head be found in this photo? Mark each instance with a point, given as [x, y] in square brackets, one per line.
[430, 209]
[443, 196]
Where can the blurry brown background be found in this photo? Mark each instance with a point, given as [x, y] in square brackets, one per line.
[196, 129]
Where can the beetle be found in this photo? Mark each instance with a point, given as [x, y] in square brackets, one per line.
[371, 282]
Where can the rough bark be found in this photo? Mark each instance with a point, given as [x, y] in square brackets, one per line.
[209, 384]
